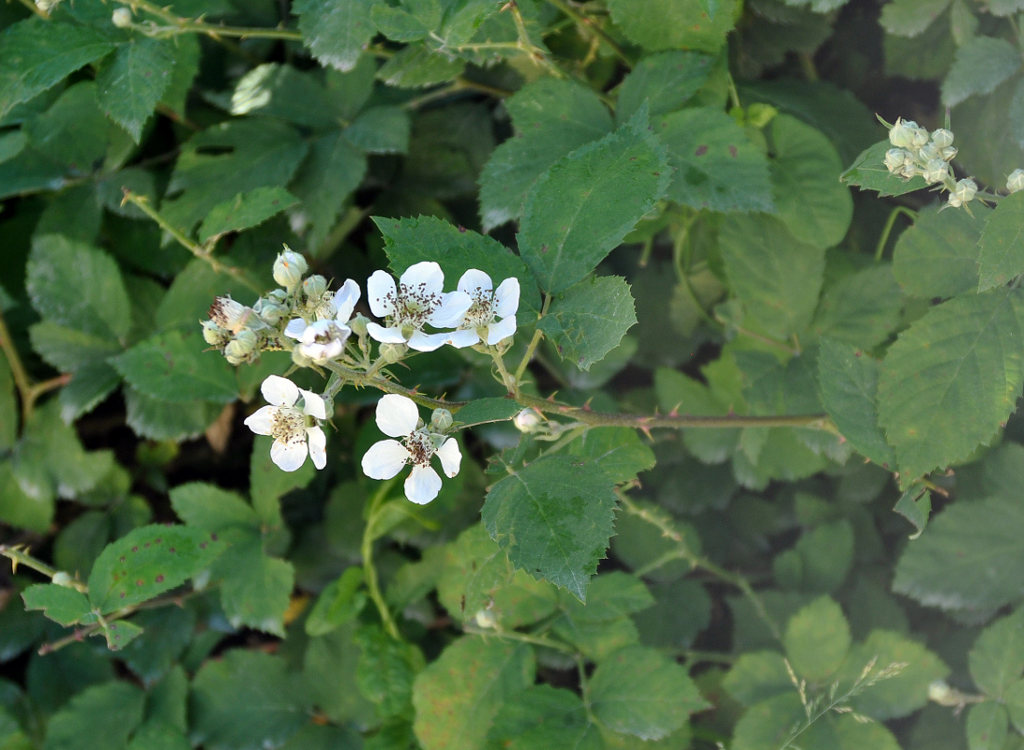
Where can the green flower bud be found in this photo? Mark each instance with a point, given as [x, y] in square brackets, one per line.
[942, 138]
[122, 18]
[214, 335]
[939, 692]
[527, 420]
[935, 171]
[1015, 180]
[358, 325]
[268, 311]
[441, 421]
[964, 192]
[484, 618]
[392, 353]
[948, 153]
[895, 158]
[277, 296]
[244, 347]
[300, 359]
[901, 134]
[62, 579]
[289, 268]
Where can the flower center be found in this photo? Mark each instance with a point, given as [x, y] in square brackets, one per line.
[420, 448]
[288, 425]
[481, 312]
[414, 304]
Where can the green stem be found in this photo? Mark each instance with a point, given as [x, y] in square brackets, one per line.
[186, 25]
[534, 342]
[511, 384]
[369, 571]
[18, 556]
[515, 635]
[734, 94]
[21, 378]
[887, 229]
[600, 33]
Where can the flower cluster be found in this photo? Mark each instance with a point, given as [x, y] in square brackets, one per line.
[321, 328]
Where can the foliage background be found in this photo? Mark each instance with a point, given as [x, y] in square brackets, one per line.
[746, 581]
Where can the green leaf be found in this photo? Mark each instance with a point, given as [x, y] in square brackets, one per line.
[951, 380]
[619, 452]
[12, 143]
[961, 562]
[120, 634]
[716, 165]
[73, 131]
[416, 66]
[335, 32]
[868, 172]
[915, 505]
[554, 518]
[485, 410]
[69, 349]
[386, 670]
[910, 17]
[776, 278]
[849, 384]
[157, 735]
[675, 24]
[757, 676]
[938, 255]
[154, 655]
[247, 699]
[409, 241]
[997, 659]
[274, 90]
[862, 308]
[156, 419]
[544, 716]
[551, 118]
[817, 639]
[210, 508]
[131, 83]
[901, 694]
[458, 695]
[60, 603]
[380, 130]
[78, 286]
[186, 67]
[581, 208]
[854, 734]
[245, 210]
[255, 588]
[638, 691]
[979, 66]
[588, 320]
[268, 484]
[987, 726]
[813, 204]
[18, 509]
[148, 561]
[173, 367]
[1014, 698]
[337, 604]
[665, 81]
[999, 257]
[767, 725]
[100, 717]
[37, 54]
[328, 176]
[602, 625]
[825, 556]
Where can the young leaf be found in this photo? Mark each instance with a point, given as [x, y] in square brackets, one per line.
[588, 320]
[581, 208]
[640, 692]
[554, 518]
[999, 257]
[148, 561]
[951, 380]
[336, 32]
[60, 603]
[131, 83]
[868, 172]
[817, 639]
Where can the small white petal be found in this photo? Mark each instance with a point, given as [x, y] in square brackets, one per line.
[279, 391]
[462, 338]
[506, 297]
[261, 420]
[317, 446]
[345, 300]
[385, 335]
[427, 273]
[381, 292]
[474, 281]
[451, 457]
[313, 404]
[288, 456]
[397, 416]
[427, 342]
[453, 306]
[501, 330]
[385, 459]
[422, 485]
[295, 328]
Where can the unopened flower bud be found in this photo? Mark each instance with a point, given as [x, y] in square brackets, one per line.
[935, 171]
[1015, 180]
[392, 353]
[214, 335]
[895, 158]
[229, 314]
[939, 692]
[441, 421]
[901, 134]
[919, 137]
[527, 421]
[122, 18]
[62, 579]
[300, 359]
[948, 153]
[314, 287]
[484, 618]
[964, 192]
[358, 325]
[909, 170]
[269, 311]
[244, 347]
[942, 138]
[928, 152]
[289, 268]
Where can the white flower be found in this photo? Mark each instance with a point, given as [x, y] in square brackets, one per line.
[397, 416]
[416, 301]
[295, 430]
[478, 322]
[325, 339]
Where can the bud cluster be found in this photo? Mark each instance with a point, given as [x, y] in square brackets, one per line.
[917, 152]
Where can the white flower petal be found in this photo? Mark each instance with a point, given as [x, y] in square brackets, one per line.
[279, 391]
[345, 300]
[422, 485]
[427, 273]
[506, 297]
[381, 293]
[501, 330]
[427, 342]
[451, 457]
[397, 416]
[288, 456]
[462, 338]
[449, 313]
[474, 281]
[261, 420]
[385, 459]
[313, 404]
[295, 328]
[317, 446]
[385, 335]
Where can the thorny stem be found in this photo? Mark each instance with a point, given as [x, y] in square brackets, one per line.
[535, 52]
[18, 556]
[369, 571]
[515, 635]
[534, 342]
[887, 229]
[185, 25]
[587, 23]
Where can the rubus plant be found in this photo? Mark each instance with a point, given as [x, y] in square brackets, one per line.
[472, 374]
